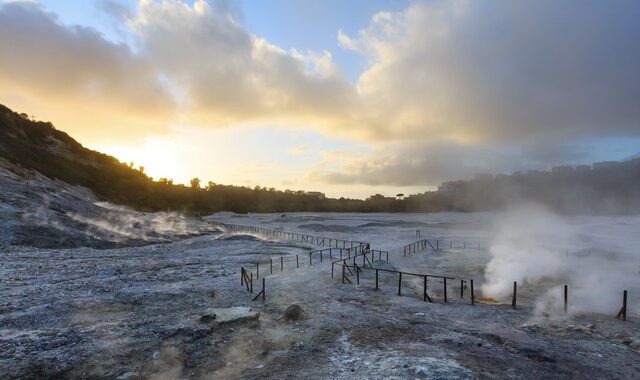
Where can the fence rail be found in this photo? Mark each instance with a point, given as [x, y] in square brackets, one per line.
[436, 244]
[295, 236]
[355, 251]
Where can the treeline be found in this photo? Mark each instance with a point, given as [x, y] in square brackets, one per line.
[605, 188]
[39, 146]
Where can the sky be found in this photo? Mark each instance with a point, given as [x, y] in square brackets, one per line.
[351, 98]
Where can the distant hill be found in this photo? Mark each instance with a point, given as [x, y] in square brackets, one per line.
[39, 146]
[606, 187]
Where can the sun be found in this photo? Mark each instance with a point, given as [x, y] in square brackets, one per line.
[159, 158]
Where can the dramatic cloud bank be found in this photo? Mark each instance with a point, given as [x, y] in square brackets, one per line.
[450, 88]
[226, 75]
[76, 70]
[467, 82]
[514, 71]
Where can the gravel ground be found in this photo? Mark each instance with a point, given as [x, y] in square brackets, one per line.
[135, 312]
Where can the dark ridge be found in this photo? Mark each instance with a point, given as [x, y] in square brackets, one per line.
[603, 188]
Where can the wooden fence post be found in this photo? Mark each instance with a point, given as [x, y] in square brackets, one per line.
[445, 289]
[515, 295]
[424, 289]
[473, 295]
[566, 298]
[399, 283]
[623, 311]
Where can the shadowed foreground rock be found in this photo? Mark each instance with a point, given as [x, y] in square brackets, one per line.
[294, 313]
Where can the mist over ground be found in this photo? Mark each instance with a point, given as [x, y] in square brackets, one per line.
[597, 257]
[145, 311]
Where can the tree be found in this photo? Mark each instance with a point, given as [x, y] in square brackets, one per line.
[195, 183]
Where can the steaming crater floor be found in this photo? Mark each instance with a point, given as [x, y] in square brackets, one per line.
[135, 312]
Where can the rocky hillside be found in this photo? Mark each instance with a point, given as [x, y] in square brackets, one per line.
[36, 210]
[34, 145]
[56, 193]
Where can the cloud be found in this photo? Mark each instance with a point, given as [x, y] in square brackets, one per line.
[297, 150]
[450, 87]
[464, 71]
[501, 71]
[425, 164]
[456, 88]
[428, 163]
[189, 64]
[115, 9]
[76, 69]
[230, 76]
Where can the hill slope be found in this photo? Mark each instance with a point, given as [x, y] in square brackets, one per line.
[39, 146]
[603, 188]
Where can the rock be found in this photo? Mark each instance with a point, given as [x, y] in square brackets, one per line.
[128, 376]
[294, 313]
[230, 315]
[631, 342]
[422, 371]
[208, 318]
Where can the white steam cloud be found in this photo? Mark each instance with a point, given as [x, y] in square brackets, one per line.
[537, 248]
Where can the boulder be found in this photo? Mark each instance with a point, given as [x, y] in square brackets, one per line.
[294, 313]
